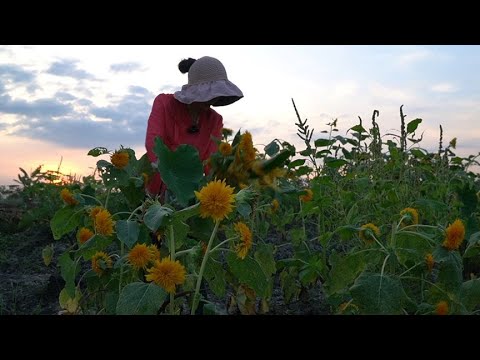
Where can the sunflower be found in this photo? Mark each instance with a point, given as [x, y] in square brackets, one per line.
[67, 196]
[140, 256]
[245, 151]
[84, 234]
[167, 274]
[307, 197]
[455, 233]
[411, 216]
[101, 262]
[120, 159]
[225, 148]
[216, 200]
[275, 205]
[245, 239]
[104, 223]
[430, 261]
[442, 308]
[154, 252]
[367, 233]
[94, 211]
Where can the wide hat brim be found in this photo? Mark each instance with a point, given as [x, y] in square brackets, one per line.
[225, 91]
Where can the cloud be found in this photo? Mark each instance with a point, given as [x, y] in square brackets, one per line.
[42, 108]
[16, 73]
[62, 95]
[69, 68]
[125, 67]
[412, 56]
[139, 90]
[444, 88]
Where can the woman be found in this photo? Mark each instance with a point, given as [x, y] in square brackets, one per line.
[186, 117]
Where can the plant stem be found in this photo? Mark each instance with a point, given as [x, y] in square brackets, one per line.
[202, 269]
[172, 257]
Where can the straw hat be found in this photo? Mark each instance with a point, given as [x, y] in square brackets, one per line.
[207, 80]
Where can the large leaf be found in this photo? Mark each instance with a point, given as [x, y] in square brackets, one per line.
[248, 271]
[412, 125]
[68, 270]
[377, 294]
[215, 276]
[65, 220]
[139, 298]
[156, 216]
[470, 294]
[95, 244]
[264, 257]
[180, 232]
[127, 232]
[450, 268]
[181, 170]
[272, 148]
[411, 248]
[344, 271]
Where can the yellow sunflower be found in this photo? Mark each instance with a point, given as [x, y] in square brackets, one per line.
[455, 234]
[67, 196]
[216, 200]
[225, 148]
[245, 239]
[104, 223]
[101, 262]
[430, 261]
[154, 252]
[367, 233]
[411, 216]
[167, 274]
[120, 159]
[140, 256]
[442, 308]
[84, 234]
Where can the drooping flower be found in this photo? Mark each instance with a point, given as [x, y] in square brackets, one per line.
[275, 205]
[367, 233]
[167, 274]
[245, 239]
[101, 262]
[411, 216]
[104, 223]
[442, 308]
[216, 200]
[454, 235]
[67, 196]
[84, 234]
[225, 148]
[120, 159]
[140, 256]
[307, 197]
[430, 261]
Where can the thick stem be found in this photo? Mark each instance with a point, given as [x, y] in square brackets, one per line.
[202, 269]
[172, 257]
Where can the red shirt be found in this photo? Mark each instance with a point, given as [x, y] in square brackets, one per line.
[170, 121]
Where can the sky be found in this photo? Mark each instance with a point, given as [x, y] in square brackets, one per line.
[59, 101]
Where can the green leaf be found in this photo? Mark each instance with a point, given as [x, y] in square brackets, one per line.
[296, 163]
[95, 244]
[98, 151]
[248, 271]
[264, 257]
[185, 214]
[68, 270]
[180, 232]
[411, 248]
[344, 271]
[65, 220]
[181, 170]
[69, 303]
[418, 153]
[470, 294]
[376, 294]
[306, 152]
[412, 125]
[357, 128]
[290, 288]
[215, 276]
[323, 142]
[276, 161]
[244, 209]
[127, 232]
[450, 268]
[139, 298]
[335, 163]
[157, 216]
[303, 170]
[111, 300]
[272, 148]
[473, 248]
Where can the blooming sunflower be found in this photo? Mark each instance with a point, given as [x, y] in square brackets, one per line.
[140, 256]
[101, 262]
[225, 148]
[245, 150]
[368, 231]
[104, 223]
[94, 211]
[411, 216]
[307, 197]
[84, 234]
[167, 274]
[216, 200]
[430, 261]
[442, 308]
[67, 196]
[154, 252]
[245, 239]
[455, 234]
[120, 159]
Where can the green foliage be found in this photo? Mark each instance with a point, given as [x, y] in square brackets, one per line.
[139, 298]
